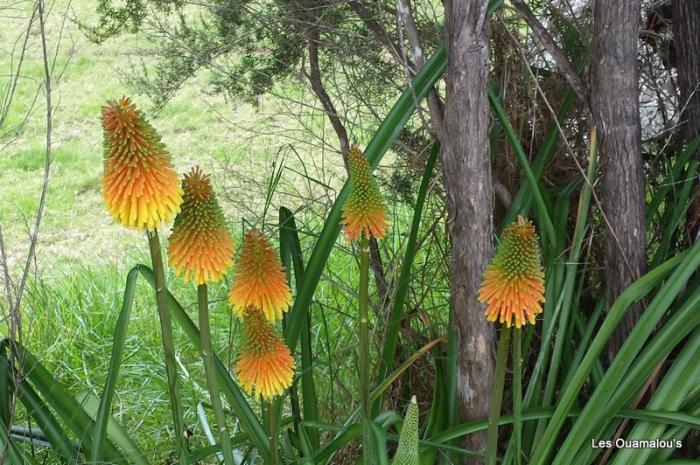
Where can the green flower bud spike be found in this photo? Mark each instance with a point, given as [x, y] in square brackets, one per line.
[407, 452]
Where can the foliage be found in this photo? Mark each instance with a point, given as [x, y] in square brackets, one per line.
[570, 396]
[250, 46]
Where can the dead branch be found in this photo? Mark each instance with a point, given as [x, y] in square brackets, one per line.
[15, 319]
[545, 38]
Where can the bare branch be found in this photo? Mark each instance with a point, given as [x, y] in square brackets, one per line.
[547, 41]
[314, 77]
[376, 28]
[405, 15]
[6, 272]
[6, 134]
[47, 164]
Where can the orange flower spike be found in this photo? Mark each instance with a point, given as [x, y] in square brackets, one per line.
[265, 365]
[201, 246]
[364, 212]
[140, 188]
[513, 285]
[260, 280]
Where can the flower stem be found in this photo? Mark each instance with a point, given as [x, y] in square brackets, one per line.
[497, 396]
[517, 394]
[364, 351]
[208, 358]
[271, 410]
[166, 328]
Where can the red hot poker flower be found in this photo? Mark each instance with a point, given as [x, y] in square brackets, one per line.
[265, 365]
[201, 246]
[260, 280]
[140, 188]
[513, 285]
[364, 212]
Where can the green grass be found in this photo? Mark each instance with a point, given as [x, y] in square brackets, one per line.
[71, 306]
[197, 128]
[72, 317]
[70, 311]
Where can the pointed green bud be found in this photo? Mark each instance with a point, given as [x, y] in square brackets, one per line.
[407, 452]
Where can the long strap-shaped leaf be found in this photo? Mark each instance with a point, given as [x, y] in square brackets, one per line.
[675, 386]
[669, 418]
[249, 422]
[391, 336]
[59, 399]
[38, 410]
[692, 407]
[103, 413]
[689, 262]
[115, 432]
[290, 252]
[46, 421]
[616, 391]
[5, 389]
[9, 450]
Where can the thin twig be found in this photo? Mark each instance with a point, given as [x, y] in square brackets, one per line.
[6, 273]
[571, 151]
[437, 114]
[8, 98]
[47, 167]
[547, 41]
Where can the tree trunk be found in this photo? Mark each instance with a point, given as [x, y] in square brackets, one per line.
[615, 105]
[686, 32]
[686, 22]
[467, 175]
[686, 35]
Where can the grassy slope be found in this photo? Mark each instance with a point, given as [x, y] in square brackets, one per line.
[71, 310]
[70, 313]
[196, 127]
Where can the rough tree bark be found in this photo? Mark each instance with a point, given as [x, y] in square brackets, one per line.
[686, 32]
[615, 105]
[686, 19]
[686, 35]
[467, 175]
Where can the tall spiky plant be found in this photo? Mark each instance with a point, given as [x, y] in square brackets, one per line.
[201, 250]
[141, 190]
[364, 216]
[513, 288]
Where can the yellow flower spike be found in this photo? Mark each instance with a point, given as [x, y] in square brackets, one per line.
[265, 365]
[513, 285]
[140, 188]
[260, 280]
[201, 246]
[364, 212]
